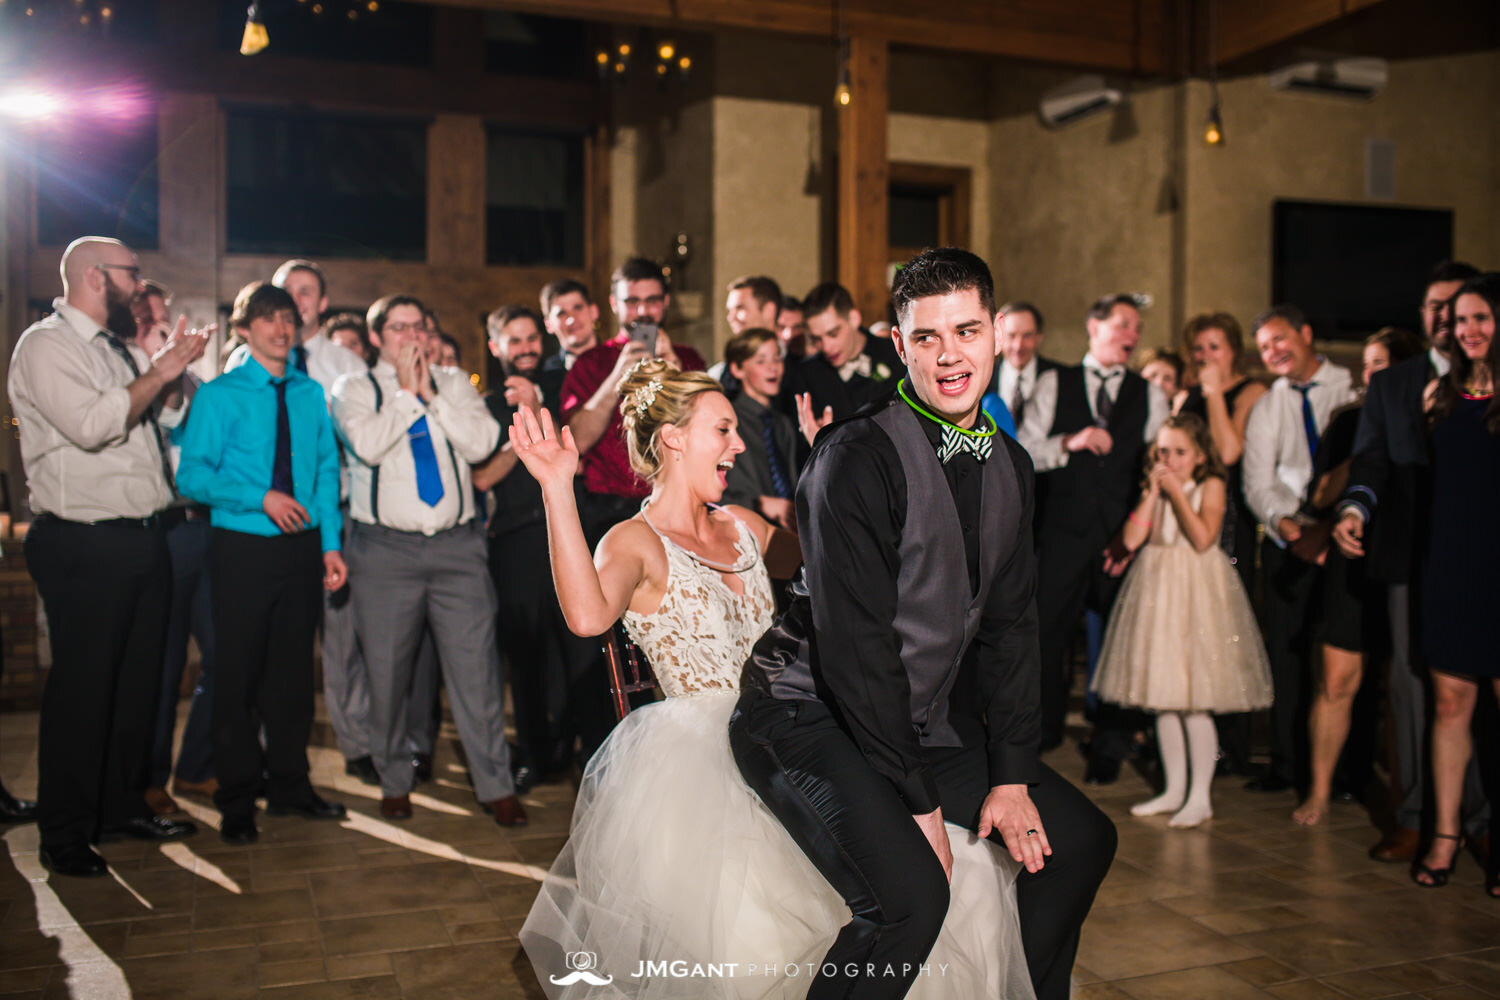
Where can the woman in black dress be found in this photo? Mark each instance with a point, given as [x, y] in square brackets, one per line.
[1222, 394]
[1350, 620]
[1460, 586]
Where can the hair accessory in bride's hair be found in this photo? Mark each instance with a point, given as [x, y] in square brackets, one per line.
[645, 396]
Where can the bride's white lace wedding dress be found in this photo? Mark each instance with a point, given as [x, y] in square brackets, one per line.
[677, 883]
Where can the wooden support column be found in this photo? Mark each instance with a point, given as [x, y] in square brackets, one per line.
[864, 177]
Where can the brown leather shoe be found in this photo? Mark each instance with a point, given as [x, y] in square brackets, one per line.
[396, 807]
[200, 789]
[160, 802]
[1400, 844]
[508, 811]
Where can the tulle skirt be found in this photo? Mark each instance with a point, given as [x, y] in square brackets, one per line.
[1182, 637]
[677, 883]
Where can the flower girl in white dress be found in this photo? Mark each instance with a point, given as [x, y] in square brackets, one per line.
[676, 881]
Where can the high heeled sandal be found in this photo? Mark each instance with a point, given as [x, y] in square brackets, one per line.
[1439, 876]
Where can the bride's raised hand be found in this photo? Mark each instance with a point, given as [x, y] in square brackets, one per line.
[550, 457]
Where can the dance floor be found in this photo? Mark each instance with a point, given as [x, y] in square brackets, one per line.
[1247, 906]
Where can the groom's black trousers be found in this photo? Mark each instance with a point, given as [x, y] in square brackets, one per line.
[859, 833]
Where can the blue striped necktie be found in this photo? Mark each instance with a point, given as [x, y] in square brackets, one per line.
[780, 481]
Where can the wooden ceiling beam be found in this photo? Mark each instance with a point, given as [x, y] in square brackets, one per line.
[1112, 35]
[1245, 28]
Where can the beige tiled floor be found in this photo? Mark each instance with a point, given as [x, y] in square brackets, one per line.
[1248, 906]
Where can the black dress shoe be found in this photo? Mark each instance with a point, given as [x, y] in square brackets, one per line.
[1268, 783]
[421, 767]
[14, 810]
[238, 830]
[158, 828]
[311, 808]
[76, 861]
[363, 768]
[1102, 770]
[525, 779]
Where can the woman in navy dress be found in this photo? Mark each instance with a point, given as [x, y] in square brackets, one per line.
[1460, 585]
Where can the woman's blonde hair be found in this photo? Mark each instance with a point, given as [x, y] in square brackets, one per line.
[654, 395]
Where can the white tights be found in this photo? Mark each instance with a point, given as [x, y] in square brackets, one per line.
[1189, 804]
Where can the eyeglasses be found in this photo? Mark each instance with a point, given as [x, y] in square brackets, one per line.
[405, 327]
[131, 269]
[649, 302]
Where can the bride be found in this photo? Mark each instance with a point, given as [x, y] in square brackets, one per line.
[676, 882]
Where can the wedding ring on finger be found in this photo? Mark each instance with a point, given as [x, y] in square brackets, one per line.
[1031, 833]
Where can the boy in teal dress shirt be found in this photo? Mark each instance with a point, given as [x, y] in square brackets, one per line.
[260, 452]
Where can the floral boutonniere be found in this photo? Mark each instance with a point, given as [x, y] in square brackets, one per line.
[882, 372]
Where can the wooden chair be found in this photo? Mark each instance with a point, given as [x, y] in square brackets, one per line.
[629, 671]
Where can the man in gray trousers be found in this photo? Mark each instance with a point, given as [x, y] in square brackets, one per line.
[410, 433]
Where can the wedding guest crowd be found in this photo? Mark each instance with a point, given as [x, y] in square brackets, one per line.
[342, 474]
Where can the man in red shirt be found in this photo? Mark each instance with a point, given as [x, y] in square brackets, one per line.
[611, 491]
[591, 403]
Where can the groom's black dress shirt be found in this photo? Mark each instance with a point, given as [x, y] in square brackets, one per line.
[857, 661]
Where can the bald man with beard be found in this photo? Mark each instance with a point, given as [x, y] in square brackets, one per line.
[92, 420]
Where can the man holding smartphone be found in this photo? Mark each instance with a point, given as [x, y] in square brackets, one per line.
[612, 492]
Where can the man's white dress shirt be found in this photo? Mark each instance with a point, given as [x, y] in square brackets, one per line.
[1277, 463]
[68, 393]
[1047, 450]
[378, 439]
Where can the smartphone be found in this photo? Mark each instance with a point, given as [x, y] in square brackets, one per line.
[644, 332]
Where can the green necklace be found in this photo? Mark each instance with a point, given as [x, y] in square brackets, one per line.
[976, 432]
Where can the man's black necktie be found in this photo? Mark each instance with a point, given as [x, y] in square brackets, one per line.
[281, 464]
[1018, 405]
[149, 417]
[1103, 405]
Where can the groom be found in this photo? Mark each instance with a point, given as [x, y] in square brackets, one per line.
[901, 688]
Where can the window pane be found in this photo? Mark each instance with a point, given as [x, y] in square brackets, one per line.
[393, 34]
[327, 186]
[915, 218]
[93, 180]
[534, 199]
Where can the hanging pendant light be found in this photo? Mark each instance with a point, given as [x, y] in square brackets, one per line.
[256, 38]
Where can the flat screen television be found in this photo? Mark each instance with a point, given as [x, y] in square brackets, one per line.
[1356, 268]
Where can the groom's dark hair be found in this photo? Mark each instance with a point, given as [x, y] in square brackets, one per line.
[942, 271]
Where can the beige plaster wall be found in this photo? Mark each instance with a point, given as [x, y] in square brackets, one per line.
[1084, 210]
[1286, 145]
[766, 220]
[1136, 201]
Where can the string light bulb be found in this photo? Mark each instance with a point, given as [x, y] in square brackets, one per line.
[1213, 131]
[256, 38]
[665, 51]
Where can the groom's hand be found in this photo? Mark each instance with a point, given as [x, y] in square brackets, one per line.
[931, 825]
[1009, 809]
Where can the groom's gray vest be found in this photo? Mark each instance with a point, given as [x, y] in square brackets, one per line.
[937, 616]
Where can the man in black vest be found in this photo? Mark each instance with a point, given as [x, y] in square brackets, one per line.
[1088, 426]
[882, 702]
[550, 668]
[1385, 475]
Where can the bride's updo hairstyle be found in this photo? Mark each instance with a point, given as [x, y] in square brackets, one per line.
[654, 395]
